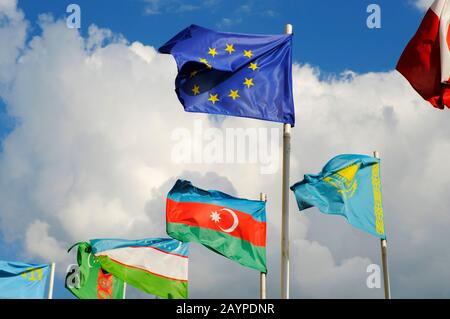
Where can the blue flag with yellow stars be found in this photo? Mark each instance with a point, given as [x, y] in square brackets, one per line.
[234, 74]
[350, 186]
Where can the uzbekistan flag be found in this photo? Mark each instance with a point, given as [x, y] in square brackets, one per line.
[158, 266]
[230, 226]
[425, 62]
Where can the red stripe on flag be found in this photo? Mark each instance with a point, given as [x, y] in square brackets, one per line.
[104, 285]
[163, 251]
[199, 214]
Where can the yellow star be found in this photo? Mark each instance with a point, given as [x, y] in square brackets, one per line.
[249, 82]
[230, 48]
[212, 51]
[248, 53]
[234, 94]
[196, 89]
[253, 66]
[213, 98]
[205, 62]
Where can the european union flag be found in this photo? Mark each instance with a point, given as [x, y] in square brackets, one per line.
[234, 74]
[23, 281]
[350, 186]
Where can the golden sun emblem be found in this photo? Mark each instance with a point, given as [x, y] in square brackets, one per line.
[344, 180]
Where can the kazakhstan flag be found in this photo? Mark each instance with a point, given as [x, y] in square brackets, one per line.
[23, 281]
[350, 186]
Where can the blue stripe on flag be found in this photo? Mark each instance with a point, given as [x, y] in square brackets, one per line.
[183, 191]
[168, 245]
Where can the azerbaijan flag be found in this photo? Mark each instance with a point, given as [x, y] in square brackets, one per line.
[230, 226]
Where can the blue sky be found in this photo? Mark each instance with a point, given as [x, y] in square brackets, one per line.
[6, 123]
[330, 35]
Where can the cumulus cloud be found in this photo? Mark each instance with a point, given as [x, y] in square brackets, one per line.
[90, 156]
[41, 245]
[12, 31]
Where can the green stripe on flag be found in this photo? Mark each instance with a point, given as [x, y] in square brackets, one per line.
[234, 248]
[150, 283]
[88, 276]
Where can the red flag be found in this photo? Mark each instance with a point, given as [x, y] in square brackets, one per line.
[425, 62]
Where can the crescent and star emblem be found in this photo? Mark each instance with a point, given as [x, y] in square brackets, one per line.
[89, 258]
[215, 217]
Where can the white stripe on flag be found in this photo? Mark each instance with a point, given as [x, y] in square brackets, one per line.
[152, 260]
[444, 19]
[437, 6]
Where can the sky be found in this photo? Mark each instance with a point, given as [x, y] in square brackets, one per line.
[88, 116]
[331, 35]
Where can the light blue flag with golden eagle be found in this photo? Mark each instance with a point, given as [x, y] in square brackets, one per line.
[349, 185]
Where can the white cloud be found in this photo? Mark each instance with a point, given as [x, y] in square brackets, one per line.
[8, 7]
[318, 275]
[12, 31]
[228, 22]
[40, 244]
[423, 4]
[90, 157]
[153, 7]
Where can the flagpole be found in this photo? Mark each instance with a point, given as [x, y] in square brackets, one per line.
[262, 275]
[285, 203]
[51, 280]
[124, 290]
[383, 242]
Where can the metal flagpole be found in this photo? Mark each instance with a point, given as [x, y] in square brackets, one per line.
[285, 203]
[387, 285]
[124, 290]
[51, 281]
[262, 275]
